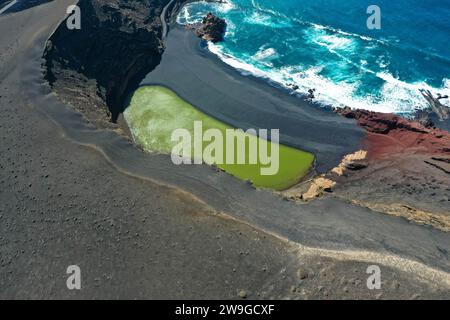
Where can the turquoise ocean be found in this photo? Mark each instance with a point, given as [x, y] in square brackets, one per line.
[326, 45]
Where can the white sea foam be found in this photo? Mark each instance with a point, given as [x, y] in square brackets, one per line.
[264, 19]
[226, 6]
[396, 96]
[185, 16]
[266, 54]
[259, 18]
[269, 11]
[334, 30]
[335, 42]
[287, 20]
[243, 67]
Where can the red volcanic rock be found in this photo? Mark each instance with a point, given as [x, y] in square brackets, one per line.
[389, 134]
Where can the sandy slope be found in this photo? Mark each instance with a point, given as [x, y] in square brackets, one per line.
[71, 194]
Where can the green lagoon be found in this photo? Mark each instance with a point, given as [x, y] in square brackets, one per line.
[155, 112]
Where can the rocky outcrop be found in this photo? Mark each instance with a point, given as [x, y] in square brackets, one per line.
[383, 123]
[408, 169]
[441, 111]
[317, 188]
[211, 29]
[95, 68]
[424, 118]
[309, 190]
[389, 134]
[353, 162]
[437, 220]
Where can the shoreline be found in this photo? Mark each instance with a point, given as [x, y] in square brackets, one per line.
[217, 89]
[297, 75]
[157, 111]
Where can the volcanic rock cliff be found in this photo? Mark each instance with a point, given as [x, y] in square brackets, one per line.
[96, 67]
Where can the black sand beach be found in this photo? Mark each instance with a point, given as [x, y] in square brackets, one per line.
[217, 89]
[141, 227]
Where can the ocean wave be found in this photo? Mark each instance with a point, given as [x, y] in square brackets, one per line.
[335, 42]
[260, 18]
[187, 17]
[340, 46]
[284, 17]
[266, 54]
[226, 5]
[269, 11]
[184, 16]
[395, 95]
[357, 73]
[243, 67]
[344, 33]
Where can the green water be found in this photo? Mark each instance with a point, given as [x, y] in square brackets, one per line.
[155, 112]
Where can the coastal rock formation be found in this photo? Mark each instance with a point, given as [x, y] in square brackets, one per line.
[408, 169]
[317, 188]
[96, 67]
[389, 133]
[211, 29]
[437, 220]
[380, 122]
[309, 190]
[355, 161]
[423, 117]
[442, 111]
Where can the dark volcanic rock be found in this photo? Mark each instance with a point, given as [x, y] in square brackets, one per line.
[354, 165]
[423, 117]
[118, 44]
[212, 28]
[440, 110]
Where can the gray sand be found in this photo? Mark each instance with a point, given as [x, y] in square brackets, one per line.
[71, 194]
